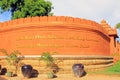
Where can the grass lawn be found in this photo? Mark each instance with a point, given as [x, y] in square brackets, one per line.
[113, 70]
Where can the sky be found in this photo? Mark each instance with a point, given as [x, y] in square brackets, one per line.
[95, 10]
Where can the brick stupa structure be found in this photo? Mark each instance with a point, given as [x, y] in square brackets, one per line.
[76, 40]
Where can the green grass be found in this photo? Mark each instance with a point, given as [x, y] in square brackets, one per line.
[113, 70]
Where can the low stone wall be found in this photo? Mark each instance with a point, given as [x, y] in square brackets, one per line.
[65, 63]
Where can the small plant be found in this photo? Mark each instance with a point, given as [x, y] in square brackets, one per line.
[50, 61]
[46, 57]
[13, 59]
[50, 75]
[9, 74]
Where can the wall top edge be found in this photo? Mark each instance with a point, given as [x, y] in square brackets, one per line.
[43, 20]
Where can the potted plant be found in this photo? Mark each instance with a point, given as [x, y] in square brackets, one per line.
[13, 59]
[50, 63]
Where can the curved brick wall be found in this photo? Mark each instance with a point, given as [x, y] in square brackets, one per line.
[65, 35]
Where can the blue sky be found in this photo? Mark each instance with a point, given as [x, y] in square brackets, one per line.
[95, 10]
[5, 16]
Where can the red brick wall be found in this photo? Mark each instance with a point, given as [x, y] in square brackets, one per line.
[65, 35]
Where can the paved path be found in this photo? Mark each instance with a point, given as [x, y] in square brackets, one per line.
[66, 77]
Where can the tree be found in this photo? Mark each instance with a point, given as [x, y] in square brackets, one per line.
[118, 25]
[26, 8]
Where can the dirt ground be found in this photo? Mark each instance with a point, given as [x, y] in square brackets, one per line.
[66, 77]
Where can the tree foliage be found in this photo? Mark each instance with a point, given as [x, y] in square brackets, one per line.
[118, 25]
[26, 8]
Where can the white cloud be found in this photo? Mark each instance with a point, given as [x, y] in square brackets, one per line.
[90, 9]
[95, 10]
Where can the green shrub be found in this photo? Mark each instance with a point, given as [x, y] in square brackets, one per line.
[48, 59]
[9, 74]
[50, 75]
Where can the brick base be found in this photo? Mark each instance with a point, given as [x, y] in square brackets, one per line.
[65, 63]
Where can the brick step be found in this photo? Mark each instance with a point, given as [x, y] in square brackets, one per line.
[90, 63]
[66, 69]
[85, 62]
